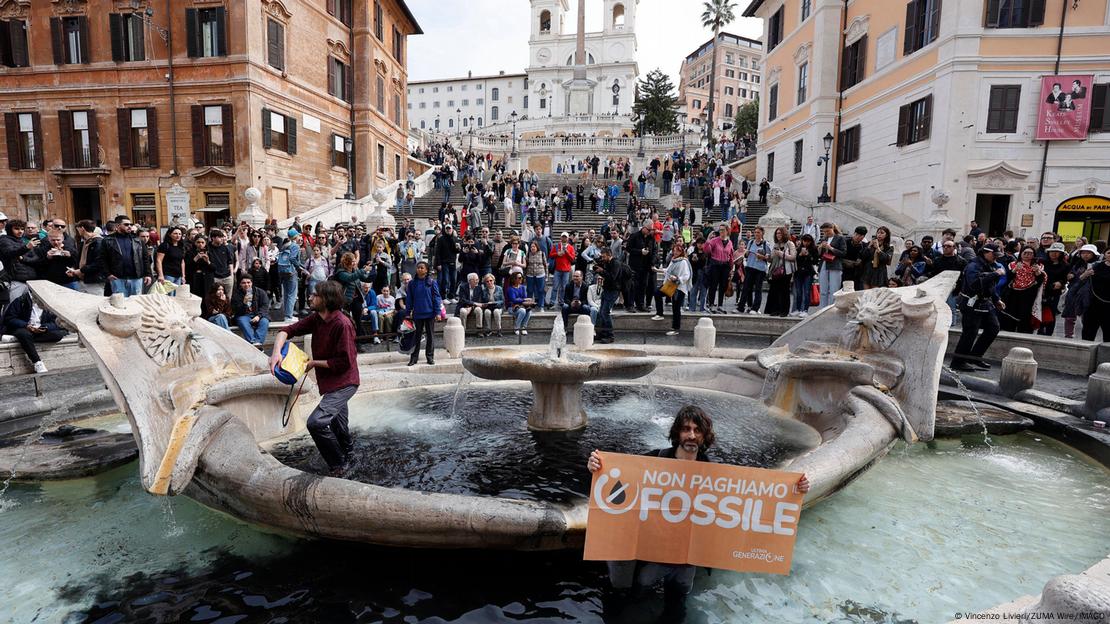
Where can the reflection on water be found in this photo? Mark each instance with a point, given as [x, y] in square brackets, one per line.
[410, 439]
[926, 533]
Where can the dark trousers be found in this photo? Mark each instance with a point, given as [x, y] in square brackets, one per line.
[778, 296]
[27, 339]
[676, 307]
[605, 314]
[718, 282]
[354, 306]
[328, 426]
[644, 286]
[972, 344]
[752, 294]
[425, 328]
[1095, 318]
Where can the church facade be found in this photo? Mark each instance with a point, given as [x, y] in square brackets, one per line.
[549, 88]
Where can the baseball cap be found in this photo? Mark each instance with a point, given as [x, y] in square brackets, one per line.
[3, 217]
[566, 234]
[293, 233]
[1056, 247]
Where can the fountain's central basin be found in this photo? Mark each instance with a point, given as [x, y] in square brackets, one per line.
[411, 439]
[557, 377]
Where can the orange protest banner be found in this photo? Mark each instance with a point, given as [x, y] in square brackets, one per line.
[698, 513]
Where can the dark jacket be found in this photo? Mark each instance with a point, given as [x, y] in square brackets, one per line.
[92, 272]
[572, 292]
[111, 259]
[468, 298]
[15, 254]
[423, 298]
[638, 242]
[614, 275]
[260, 306]
[980, 282]
[18, 314]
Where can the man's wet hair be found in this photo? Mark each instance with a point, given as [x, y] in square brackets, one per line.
[692, 413]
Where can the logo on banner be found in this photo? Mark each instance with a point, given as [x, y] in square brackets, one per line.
[616, 500]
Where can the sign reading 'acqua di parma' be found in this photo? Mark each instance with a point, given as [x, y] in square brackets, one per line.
[697, 513]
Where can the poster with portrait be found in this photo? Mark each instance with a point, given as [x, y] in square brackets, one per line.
[1064, 113]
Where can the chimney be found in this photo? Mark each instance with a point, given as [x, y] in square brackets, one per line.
[501, 73]
[470, 73]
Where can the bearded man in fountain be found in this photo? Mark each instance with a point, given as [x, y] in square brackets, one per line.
[691, 436]
[335, 360]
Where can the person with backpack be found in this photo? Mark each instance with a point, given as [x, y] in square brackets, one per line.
[755, 270]
[289, 269]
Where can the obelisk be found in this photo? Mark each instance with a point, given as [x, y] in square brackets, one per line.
[580, 87]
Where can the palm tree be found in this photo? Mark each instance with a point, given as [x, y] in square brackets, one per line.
[717, 14]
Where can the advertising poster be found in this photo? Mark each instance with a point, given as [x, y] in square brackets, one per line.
[1064, 112]
[698, 513]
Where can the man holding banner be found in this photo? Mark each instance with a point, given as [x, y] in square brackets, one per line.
[681, 521]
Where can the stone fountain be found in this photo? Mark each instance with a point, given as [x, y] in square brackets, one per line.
[203, 408]
[557, 375]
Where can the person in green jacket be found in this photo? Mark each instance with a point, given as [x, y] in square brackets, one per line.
[351, 277]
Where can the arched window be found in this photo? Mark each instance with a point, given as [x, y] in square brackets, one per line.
[450, 123]
[493, 113]
[589, 59]
[421, 124]
[437, 124]
[545, 21]
[618, 16]
[480, 124]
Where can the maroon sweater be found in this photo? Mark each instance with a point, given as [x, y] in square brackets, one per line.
[333, 340]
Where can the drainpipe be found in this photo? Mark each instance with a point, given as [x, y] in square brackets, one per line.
[173, 102]
[1059, 53]
[354, 76]
[834, 175]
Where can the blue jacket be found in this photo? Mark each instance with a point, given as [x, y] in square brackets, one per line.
[423, 298]
[980, 282]
[18, 314]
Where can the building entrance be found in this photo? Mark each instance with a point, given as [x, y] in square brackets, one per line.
[1086, 215]
[992, 213]
[86, 204]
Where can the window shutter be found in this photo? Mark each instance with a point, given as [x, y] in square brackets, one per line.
[911, 28]
[18, 37]
[349, 84]
[94, 140]
[991, 20]
[275, 44]
[36, 125]
[197, 113]
[331, 76]
[83, 37]
[65, 135]
[115, 26]
[221, 31]
[861, 59]
[1036, 12]
[291, 135]
[332, 7]
[904, 125]
[152, 135]
[192, 32]
[934, 20]
[11, 131]
[267, 137]
[1100, 101]
[926, 119]
[57, 41]
[123, 125]
[229, 134]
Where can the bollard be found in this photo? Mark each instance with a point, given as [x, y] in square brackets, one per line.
[308, 345]
[1098, 392]
[1019, 372]
[583, 332]
[705, 336]
[454, 336]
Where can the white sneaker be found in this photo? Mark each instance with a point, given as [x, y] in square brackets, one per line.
[377, 340]
[672, 333]
[657, 318]
[40, 367]
[524, 332]
[803, 314]
[753, 311]
[517, 331]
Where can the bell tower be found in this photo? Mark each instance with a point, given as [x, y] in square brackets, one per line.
[620, 16]
[548, 17]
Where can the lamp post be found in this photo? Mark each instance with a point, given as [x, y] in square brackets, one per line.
[616, 99]
[824, 160]
[349, 148]
[640, 153]
[458, 124]
[472, 139]
[513, 117]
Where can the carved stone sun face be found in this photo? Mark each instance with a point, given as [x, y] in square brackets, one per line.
[165, 332]
[875, 321]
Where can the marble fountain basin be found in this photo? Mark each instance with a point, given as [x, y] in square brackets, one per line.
[203, 408]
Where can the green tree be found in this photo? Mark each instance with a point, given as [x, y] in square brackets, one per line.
[655, 104]
[717, 15]
[747, 119]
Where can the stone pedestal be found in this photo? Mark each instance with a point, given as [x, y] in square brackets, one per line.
[253, 214]
[454, 336]
[1098, 392]
[556, 407]
[1019, 372]
[775, 217]
[705, 336]
[583, 332]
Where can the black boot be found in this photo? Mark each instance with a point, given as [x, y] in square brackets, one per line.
[674, 605]
[613, 603]
[413, 357]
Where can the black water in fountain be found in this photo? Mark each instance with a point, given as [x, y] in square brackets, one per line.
[409, 438]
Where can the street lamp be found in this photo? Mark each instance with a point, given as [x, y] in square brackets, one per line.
[513, 117]
[349, 148]
[471, 139]
[824, 160]
[458, 124]
[640, 154]
[616, 99]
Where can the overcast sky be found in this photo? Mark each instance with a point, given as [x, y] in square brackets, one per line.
[486, 36]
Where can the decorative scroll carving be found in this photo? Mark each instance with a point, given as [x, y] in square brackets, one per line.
[856, 29]
[70, 7]
[15, 9]
[338, 49]
[277, 10]
[801, 55]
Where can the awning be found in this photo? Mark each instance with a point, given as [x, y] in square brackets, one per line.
[214, 209]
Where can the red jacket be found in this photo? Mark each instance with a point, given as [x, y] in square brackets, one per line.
[563, 262]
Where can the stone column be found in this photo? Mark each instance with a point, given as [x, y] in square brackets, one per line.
[363, 65]
[583, 332]
[705, 336]
[454, 336]
[1019, 372]
[1098, 393]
